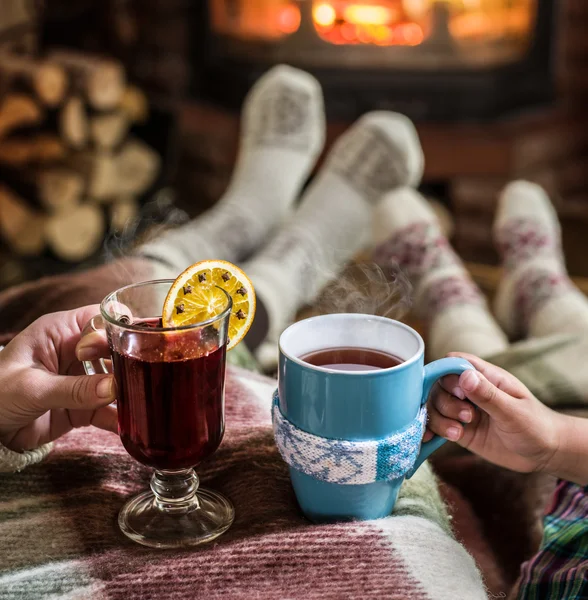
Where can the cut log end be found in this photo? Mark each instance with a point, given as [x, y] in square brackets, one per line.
[36, 150]
[76, 234]
[123, 213]
[50, 83]
[47, 80]
[134, 104]
[20, 226]
[60, 189]
[109, 130]
[73, 123]
[129, 172]
[18, 110]
[101, 80]
[137, 167]
[106, 86]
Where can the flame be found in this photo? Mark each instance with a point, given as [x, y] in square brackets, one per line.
[345, 22]
[408, 22]
[360, 14]
[324, 15]
[289, 19]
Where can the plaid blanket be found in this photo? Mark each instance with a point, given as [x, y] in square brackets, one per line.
[57, 519]
[60, 538]
[560, 569]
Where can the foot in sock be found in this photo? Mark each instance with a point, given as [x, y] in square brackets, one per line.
[445, 296]
[535, 297]
[282, 135]
[377, 154]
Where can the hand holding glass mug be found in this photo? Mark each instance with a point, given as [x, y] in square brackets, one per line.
[43, 392]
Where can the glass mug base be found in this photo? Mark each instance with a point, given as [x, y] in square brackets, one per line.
[207, 517]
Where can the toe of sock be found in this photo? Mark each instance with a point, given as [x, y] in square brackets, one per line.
[285, 105]
[379, 153]
[525, 200]
[403, 139]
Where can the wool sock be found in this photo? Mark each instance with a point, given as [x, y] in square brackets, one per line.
[445, 296]
[536, 297]
[282, 135]
[378, 153]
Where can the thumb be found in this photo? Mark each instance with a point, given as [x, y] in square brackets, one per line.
[485, 394]
[86, 392]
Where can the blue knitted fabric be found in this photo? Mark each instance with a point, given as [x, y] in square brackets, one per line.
[344, 461]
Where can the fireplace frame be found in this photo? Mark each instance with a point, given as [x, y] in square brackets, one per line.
[447, 95]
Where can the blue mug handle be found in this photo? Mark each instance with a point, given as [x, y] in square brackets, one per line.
[433, 372]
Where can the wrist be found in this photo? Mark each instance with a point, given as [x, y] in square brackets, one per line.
[569, 459]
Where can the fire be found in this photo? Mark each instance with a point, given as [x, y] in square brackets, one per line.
[360, 14]
[324, 15]
[289, 19]
[382, 23]
[378, 22]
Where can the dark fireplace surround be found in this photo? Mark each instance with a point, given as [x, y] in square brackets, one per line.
[456, 93]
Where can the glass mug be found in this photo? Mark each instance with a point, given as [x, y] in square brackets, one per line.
[170, 400]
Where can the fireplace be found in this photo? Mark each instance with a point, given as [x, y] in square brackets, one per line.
[430, 59]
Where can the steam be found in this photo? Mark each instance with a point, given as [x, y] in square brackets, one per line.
[369, 289]
[156, 216]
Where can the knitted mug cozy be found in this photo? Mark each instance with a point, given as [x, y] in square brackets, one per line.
[347, 461]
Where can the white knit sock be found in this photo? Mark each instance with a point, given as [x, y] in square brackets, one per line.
[536, 296]
[445, 295]
[283, 129]
[379, 153]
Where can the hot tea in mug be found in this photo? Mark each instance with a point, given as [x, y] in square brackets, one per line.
[352, 359]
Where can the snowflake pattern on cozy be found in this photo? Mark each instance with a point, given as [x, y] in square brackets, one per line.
[417, 249]
[451, 291]
[520, 240]
[535, 287]
[344, 461]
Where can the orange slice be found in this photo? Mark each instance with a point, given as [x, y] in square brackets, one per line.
[195, 297]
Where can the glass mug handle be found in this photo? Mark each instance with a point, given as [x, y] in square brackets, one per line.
[433, 372]
[96, 367]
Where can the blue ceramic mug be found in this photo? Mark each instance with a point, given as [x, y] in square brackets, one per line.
[355, 405]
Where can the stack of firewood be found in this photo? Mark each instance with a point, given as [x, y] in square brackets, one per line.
[70, 170]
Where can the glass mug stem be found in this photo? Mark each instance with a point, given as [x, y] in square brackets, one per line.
[175, 491]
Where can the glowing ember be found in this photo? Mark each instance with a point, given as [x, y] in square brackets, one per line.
[360, 14]
[324, 15]
[378, 22]
[289, 19]
[382, 23]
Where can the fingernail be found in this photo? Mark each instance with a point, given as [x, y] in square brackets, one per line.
[469, 380]
[465, 416]
[87, 353]
[453, 434]
[105, 388]
[458, 393]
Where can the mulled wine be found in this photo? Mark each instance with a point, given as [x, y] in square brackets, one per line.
[170, 396]
[352, 359]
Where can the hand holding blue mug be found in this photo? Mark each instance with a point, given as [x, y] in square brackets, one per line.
[351, 433]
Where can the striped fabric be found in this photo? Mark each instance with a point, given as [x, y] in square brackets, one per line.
[560, 569]
[348, 462]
